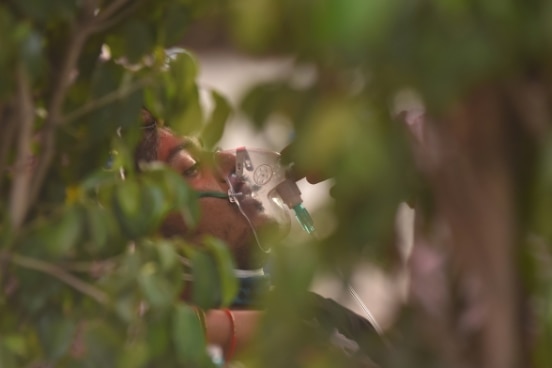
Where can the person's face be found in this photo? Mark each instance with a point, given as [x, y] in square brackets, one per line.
[219, 217]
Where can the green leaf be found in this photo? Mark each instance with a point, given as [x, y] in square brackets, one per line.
[183, 112]
[212, 131]
[177, 191]
[225, 266]
[103, 342]
[7, 358]
[131, 206]
[155, 287]
[98, 226]
[49, 11]
[62, 235]
[175, 21]
[56, 333]
[188, 336]
[134, 355]
[206, 287]
[168, 258]
[138, 40]
[15, 343]
[100, 178]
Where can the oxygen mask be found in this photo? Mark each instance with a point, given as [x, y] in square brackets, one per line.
[259, 187]
[252, 188]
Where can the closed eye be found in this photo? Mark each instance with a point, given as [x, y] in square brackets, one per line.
[192, 170]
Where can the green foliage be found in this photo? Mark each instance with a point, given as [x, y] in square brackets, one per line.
[86, 278]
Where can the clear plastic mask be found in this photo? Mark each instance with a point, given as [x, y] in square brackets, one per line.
[253, 189]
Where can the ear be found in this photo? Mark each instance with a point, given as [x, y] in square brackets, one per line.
[148, 120]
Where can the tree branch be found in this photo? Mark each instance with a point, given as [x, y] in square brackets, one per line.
[6, 140]
[113, 7]
[91, 24]
[22, 174]
[60, 274]
[105, 100]
[63, 82]
[104, 23]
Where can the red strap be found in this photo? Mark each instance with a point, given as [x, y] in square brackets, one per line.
[231, 348]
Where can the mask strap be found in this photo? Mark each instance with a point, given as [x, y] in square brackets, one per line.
[213, 194]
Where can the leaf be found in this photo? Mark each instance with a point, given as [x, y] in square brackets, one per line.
[98, 226]
[61, 236]
[168, 258]
[177, 191]
[175, 21]
[15, 343]
[129, 209]
[212, 131]
[137, 40]
[225, 267]
[7, 358]
[187, 335]
[56, 334]
[53, 10]
[206, 288]
[134, 355]
[156, 288]
[103, 342]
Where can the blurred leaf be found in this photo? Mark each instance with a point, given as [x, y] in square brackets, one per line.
[103, 343]
[188, 335]
[54, 10]
[206, 287]
[254, 23]
[135, 207]
[138, 40]
[184, 113]
[135, 355]
[56, 335]
[177, 192]
[61, 236]
[7, 358]
[131, 41]
[156, 288]
[212, 131]
[175, 21]
[16, 344]
[225, 266]
[168, 257]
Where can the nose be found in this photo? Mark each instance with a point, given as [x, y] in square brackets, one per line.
[226, 163]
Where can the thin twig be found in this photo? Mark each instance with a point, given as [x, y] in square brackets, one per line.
[7, 139]
[105, 22]
[105, 14]
[55, 104]
[60, 274]
[91, 267]
[91, 24]
[105, 100]
[22, 174]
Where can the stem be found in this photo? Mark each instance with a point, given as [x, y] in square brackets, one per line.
[105, 100]
[6, 140]
[19, 199]
[110, 10]
[55, 104]
[60, 274]
[105, 22]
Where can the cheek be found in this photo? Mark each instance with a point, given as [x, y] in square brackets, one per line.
[216, 218]
[174, 225]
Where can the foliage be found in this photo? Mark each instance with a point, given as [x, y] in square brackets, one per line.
[87, 281]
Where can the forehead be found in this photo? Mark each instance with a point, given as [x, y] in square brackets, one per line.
[170, 144]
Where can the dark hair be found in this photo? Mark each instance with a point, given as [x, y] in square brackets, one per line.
[146, 150]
